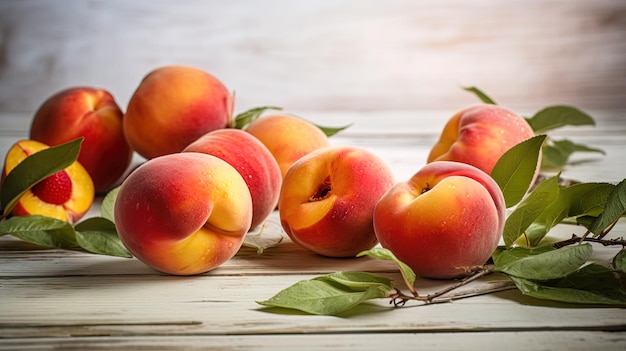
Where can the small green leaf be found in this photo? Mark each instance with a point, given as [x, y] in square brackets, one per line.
[247, 117]
[615, 208]
[556, 154]
[384, 254]
[35, 168]
[544, 263]
[41, 230]
[554, 117]
[529, 209]
[516, 168]
[591, 284]
[481, 95]
[619, 261]
[107, 208]
[98, 235]
[330, 131]
[327, 296]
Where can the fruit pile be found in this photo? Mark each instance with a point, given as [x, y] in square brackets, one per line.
[209, 178]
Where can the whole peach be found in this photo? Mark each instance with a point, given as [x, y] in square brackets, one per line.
[66, 195]
[184, 213]
[91, 113]
[252, 160]
[327, 200]
[479, 135]
[287, 137]
[443, 222]
[172, 107]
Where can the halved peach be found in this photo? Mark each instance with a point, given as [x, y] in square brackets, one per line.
[66, 195]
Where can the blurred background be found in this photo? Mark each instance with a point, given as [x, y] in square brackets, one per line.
[327, 55]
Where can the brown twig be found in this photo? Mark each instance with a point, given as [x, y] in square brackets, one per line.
[585, 238]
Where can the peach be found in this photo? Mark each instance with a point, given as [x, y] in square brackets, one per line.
[252, 160]
[66, 195]
[172, 107]
[93, 114]
[183, 213]
[479, 135]
[444, 221]
[327, 200]
[287, 137]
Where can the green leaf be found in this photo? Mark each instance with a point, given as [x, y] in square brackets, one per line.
[516, 168]
[98, 235]
[384, 254]
[41, 230]
[330, 131]
[558, 116]
[358, 281]
[556, 154]
[35, 168]
[331, 294]
[247, 117]
[529, 209]
[619, 261]
[481, 95]
[107, 208]
[591, 284]
[614, 208]
[587, 199]
[544, 263]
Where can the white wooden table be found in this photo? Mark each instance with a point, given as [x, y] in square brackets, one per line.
[54, 299]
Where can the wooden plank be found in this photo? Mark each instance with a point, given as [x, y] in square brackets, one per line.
[530, 341]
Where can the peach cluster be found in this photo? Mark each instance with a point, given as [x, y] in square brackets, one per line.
[204, 184]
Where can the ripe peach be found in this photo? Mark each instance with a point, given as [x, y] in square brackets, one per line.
[479, 135]
[327, 200]
[252, 160]
[287, 137]
[66, 195]
[93, 114]
[444, 221]
[183, 213]
[172, 107]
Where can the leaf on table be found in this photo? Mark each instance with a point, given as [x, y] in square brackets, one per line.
[614, 208]
[34, 169]
[543, 263]
[41, 230]
[384, 254]
[332, 294]
[591, 284]
[267, 235]
[98, 235]
[481, 95]
[530, 208]
[516, 168]
[554, 117]
[107, 208]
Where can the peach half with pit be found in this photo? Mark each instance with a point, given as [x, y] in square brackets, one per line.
[66, 195]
